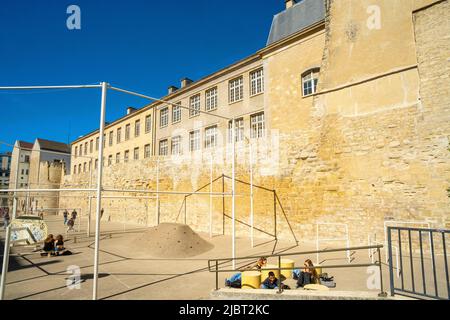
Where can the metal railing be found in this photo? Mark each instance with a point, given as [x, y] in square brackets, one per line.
[213, 264]
[414, 289]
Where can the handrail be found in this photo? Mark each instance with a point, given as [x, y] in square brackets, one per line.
[377, 263]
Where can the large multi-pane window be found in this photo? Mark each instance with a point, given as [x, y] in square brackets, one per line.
[111, 137]
[118, 157]
[163, 148]
[137, 128]
[126, 156]
[147, 151]
[194, 106]
[127, 132]
[148, 123]
[176, 113]
[119, 135]
[136, 154]
[164, 117]
[97, 143]
[256, 82]
[194, 140]
[236, 89]
[257, 125]
[309, 81]
[176, 146]
[211, 137]
[239, 130]
[211, 99]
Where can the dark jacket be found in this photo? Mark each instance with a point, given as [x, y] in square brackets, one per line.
[49, 246]
[271, 285]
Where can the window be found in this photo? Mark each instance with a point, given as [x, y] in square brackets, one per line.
[96, 143]
[194, 140]
[74, 169]
[27, 159]
[81, 150]
[164, 118]
[84, 167]
[257, 125]
[236, 89]
[148, 123]
[176, 146]
[194, 106]
[309, 81]
[96, 164]
[163, 148]
[126, 156]
[27, 172]
[127, 132]
[176, 113]
[256, 82]
[109, 160]
[76, 152]
[91, 146]
[211, 99]
[104, 141]
[79, 168]
[23, 171]
[147, 151]
[90, 165]
[119, 135]
[117, 158]
[137, 128]
[136, 154]
[111, 137]
[85, 148]
[239, 130]
[211, 137]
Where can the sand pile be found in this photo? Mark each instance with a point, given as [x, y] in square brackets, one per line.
[171, 240]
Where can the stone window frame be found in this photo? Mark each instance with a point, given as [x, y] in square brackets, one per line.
[176, 113]
[256, 82]
[147, 151]
[76, 151]
[240, 127]
[91, 146]
[148, 123]
[137, 128]
[127, 131]
[111, 138]
[310, 80]
[257, 125]
[211, 99]
[119, 135]
[117, 157]
[236, 89]
[136, 153]
[195, 105]
[164, 146]
[164, 117]
[110, 158]
[176, 147]
[211, 136]
[195, 140]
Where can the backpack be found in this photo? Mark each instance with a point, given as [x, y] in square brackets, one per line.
[327, 281]
[67, 253]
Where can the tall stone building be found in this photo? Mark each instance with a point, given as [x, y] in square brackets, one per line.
[42, 164]
[5, 169]
[347, 109]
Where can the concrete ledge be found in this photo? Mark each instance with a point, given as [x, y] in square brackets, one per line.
[260, 294]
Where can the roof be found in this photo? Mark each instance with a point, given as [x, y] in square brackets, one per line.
[53, 146]
[300, 16]
[25, 145]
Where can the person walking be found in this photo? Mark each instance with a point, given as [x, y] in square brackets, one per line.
[66, 216]
[6, 218]
[70, 225]
[74, 214]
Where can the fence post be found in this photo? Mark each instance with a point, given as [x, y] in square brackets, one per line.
[382, 293]
[391, 271]
[217, 275]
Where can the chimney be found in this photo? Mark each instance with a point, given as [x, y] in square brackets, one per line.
[130, 110]
[185, 82]
[289, 3]
[172, 89]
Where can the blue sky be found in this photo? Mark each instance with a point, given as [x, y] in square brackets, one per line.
[141, 45]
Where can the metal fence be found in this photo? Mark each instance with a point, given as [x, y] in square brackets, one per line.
[419, 278]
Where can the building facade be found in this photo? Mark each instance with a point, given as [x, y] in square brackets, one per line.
[5, 170]
[347, 108]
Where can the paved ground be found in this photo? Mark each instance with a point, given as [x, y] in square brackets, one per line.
[128, 273]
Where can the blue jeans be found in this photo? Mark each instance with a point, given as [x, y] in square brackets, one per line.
[263, 286]
[65, 220]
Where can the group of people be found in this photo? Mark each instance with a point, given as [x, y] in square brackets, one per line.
[70, 223]
[54, 246]
[305, 276]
